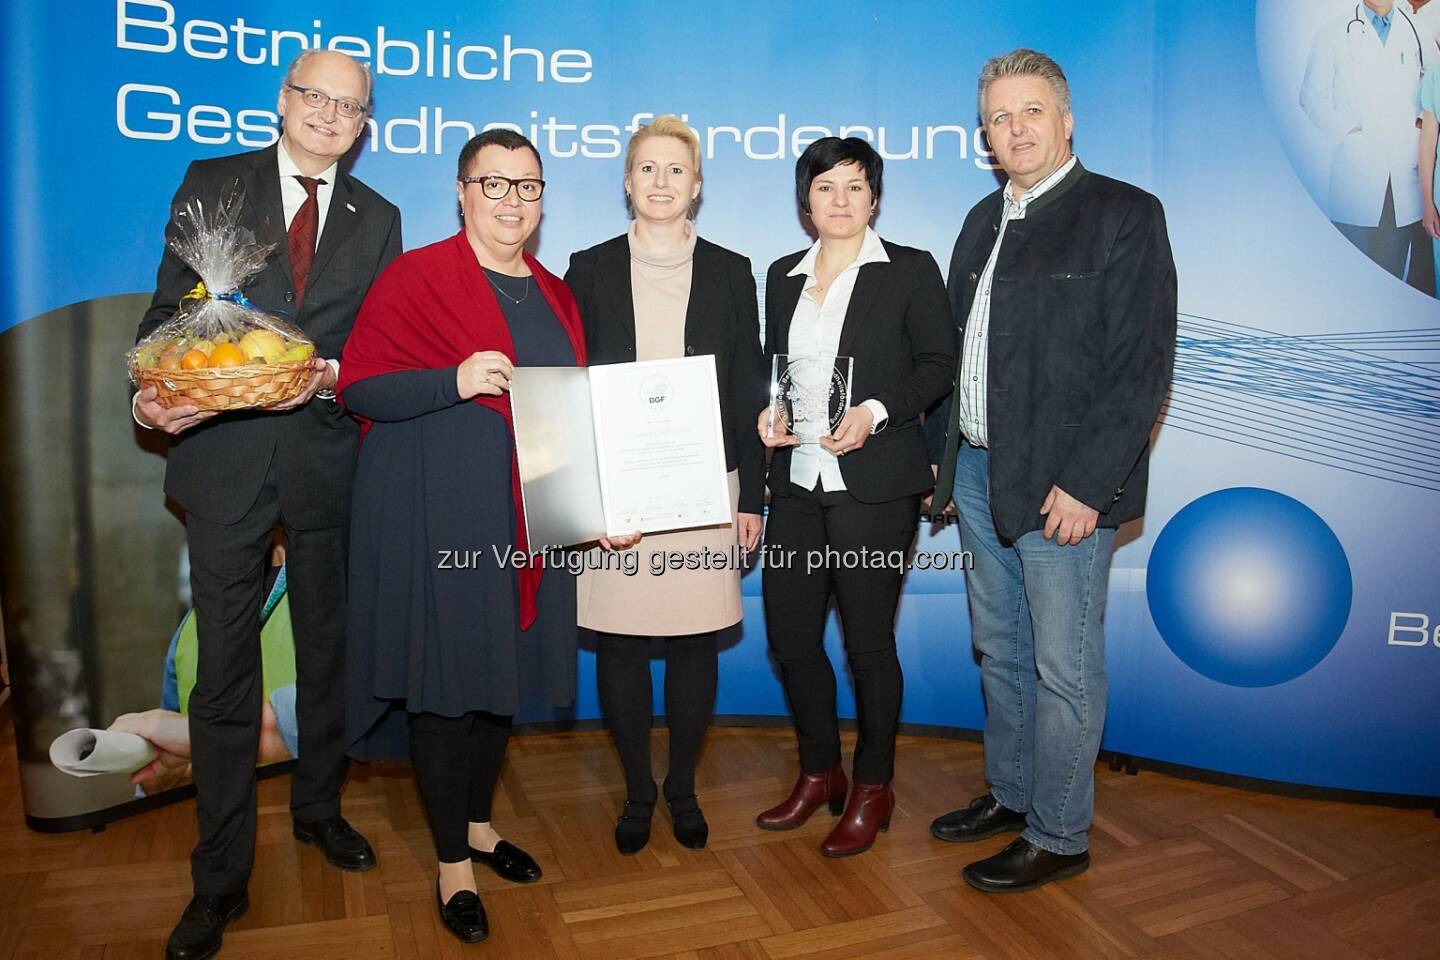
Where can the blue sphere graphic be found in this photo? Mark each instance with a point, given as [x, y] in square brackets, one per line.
[1249, 587]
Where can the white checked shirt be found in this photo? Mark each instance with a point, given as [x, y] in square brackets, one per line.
[815, 332]
[975, 351]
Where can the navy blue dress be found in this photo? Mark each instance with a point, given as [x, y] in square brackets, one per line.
[433, 614]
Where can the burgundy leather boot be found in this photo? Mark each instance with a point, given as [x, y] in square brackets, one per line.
[867, 813]
[811, 791]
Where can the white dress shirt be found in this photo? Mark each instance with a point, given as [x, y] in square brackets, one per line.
[975, 351]
[815, 332]
[292, 195]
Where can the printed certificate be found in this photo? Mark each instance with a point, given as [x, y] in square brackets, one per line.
[615, 449]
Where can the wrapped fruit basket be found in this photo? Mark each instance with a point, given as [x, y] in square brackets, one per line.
[220, 351]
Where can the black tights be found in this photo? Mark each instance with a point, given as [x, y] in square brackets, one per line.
[457, 764]
[622, 668]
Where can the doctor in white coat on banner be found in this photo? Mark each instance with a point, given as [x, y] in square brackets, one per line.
[1359, 89]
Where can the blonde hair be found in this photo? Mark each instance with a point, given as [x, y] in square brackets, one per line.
[667, 125]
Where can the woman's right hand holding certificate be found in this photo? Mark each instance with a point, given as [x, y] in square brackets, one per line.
[485, 372]
[626, 542]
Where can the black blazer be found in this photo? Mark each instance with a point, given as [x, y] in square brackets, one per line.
[215, 470]
[721, 319]
[1082, 342]
[898, 329]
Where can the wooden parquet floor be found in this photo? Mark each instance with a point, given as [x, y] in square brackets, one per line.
[1182, 871]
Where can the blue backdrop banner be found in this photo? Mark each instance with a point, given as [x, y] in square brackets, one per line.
[1276, 615]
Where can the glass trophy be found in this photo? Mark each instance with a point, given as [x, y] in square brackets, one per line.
[809, 394]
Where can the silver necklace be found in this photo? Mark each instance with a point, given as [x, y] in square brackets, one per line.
[507, 294]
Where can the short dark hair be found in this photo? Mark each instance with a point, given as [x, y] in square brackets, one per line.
[501, 137]
[829, 152]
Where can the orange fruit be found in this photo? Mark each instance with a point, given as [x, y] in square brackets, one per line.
[227, 355]
[193, 359]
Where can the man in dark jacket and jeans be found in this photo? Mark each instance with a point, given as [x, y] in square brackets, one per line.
[1063, 286]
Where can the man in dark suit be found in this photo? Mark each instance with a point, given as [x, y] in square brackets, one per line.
[1063, 286]
[239, 474]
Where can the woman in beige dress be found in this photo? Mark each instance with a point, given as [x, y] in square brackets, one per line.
[655, 292]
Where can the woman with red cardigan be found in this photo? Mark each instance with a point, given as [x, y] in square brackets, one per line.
[438, 627]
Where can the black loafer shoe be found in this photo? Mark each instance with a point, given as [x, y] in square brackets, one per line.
[985, 817]
[1023, 866]
[463, 915]
[202, 925]
[509, 862]
[688, 822]
[342, 844]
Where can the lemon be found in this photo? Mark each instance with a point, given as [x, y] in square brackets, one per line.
[299, 351]
[265, 344]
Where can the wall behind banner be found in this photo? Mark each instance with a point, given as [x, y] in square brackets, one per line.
[1274, 616]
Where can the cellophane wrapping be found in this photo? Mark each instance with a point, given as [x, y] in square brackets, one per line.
[225, 255]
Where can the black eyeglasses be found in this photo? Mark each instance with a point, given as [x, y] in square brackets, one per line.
[496, 187]
[319, 99]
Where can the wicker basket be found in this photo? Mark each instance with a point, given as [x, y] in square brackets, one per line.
[227, 388]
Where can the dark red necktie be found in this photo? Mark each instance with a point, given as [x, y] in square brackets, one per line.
[302, 236]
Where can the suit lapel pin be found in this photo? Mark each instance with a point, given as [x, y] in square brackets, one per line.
[351, 207]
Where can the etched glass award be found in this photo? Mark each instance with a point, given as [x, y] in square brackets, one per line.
[809, 394]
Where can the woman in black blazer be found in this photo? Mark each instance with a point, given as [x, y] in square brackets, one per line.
[844, 511]
[659, 291]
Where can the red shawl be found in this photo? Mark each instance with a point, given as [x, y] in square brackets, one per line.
[432, 308]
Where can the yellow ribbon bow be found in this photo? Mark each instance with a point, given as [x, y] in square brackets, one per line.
[197, 293]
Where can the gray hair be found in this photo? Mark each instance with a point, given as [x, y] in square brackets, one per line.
[296, 65]
[1025, 63]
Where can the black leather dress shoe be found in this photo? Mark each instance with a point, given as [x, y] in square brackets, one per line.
[509, 862]
[463, 915]
[342, 844]
[985, 817]
[1023, 866]
[198, 934]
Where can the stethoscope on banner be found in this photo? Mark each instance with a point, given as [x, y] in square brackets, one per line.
[1419, 44]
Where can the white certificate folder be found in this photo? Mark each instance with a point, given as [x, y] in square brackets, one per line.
[619, 448]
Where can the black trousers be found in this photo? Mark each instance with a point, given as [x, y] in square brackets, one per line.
[227, 566]
[820, 545]
[457, 764]
[622, 674]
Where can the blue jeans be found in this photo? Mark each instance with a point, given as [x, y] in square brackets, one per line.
[1036, 612]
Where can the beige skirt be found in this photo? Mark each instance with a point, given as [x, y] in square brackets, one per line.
[683, 582]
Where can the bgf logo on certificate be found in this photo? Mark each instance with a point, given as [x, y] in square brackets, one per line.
[655, 393]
